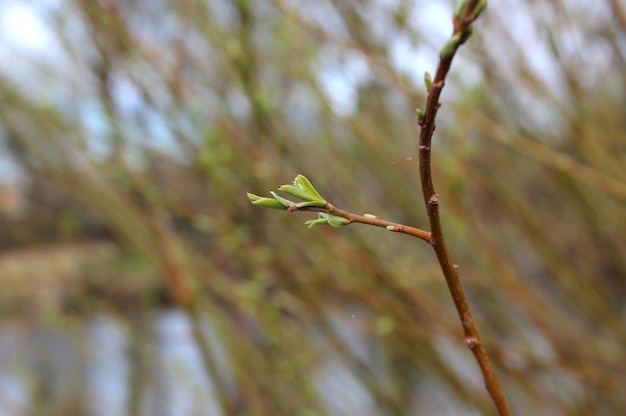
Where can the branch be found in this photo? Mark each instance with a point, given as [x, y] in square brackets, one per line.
[370, 220]
[465, 14]
[328, 214]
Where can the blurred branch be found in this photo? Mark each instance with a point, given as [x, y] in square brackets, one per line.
[553, 159]
[618, 12]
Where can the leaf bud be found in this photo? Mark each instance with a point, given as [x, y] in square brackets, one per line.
[420, 115]
[428, 80]
[450, 47]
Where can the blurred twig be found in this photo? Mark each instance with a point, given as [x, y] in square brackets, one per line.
[553, 159]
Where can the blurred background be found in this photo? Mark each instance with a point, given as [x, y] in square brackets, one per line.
[137, 279]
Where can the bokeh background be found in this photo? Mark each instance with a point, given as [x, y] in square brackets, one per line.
[137, 279]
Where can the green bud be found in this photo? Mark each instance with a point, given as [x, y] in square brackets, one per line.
[460, 9]
[428, 80]
[370, 216]
[420, 115]
[391, 228]
[450, 46]
[480, 7]
[265, 202]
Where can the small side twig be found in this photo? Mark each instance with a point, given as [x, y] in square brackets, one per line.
[329, 214]
[369, 219]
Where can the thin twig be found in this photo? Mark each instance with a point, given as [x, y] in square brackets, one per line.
[370, 220]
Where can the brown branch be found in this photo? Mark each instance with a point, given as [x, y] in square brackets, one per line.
[368, 219]
[431, 201]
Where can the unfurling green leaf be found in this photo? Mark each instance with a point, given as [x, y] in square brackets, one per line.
[336, 221]
[265, 202]
[302, 183]
[302, 194]
[298, 193]
[303, 189]
[327, 219]
[253, 197]
[282, 200]
[315, 223]
[310, 204]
